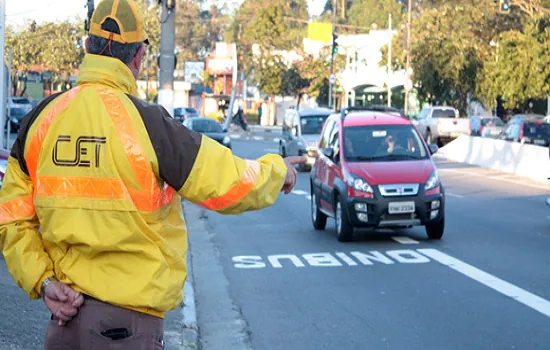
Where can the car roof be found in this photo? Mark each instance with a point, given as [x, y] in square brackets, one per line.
[366, 118]
[306, 112]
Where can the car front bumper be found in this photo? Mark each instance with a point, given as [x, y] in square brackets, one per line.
[427, 209]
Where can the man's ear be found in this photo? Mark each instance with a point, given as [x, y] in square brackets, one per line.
[87, 44]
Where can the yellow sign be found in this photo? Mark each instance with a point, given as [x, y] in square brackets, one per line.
[320, 32]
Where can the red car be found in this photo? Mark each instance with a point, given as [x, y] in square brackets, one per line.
[375, 170]
[4, 154]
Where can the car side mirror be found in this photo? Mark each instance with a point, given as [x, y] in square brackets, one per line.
[328, 152]
[433, 148]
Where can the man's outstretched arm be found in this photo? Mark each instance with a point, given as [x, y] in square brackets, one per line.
[228, 184]
[207, 173]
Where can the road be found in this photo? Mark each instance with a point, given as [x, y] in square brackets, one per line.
[485, 285]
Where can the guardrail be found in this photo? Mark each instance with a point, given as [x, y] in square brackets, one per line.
[511, 157]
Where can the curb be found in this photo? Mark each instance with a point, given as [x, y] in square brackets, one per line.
[189, 312]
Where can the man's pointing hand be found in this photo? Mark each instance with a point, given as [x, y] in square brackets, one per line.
[291, 172]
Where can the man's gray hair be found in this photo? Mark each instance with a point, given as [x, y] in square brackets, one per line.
[99, 46]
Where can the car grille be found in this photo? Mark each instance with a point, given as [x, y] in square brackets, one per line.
[397, 217]
[394, 190]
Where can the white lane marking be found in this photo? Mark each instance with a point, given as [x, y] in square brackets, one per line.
[271, 150]
[309, 198]
[533, 301]
[257, 138]
[276, 139]
[404, 240]
[486, 176]
[453, 195]
[235, 136]
[300, 192]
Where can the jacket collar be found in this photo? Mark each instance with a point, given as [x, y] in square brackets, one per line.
[107, 71]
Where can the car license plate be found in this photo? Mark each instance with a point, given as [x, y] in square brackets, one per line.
[401, 207]
[539, 142]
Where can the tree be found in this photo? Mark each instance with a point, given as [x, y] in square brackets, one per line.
[55, 47]
[522, 71]
[366, 13]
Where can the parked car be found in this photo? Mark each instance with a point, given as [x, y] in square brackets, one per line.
[439, 124]
[182, 113]
[301, 130]
[210, 128]
[20, 102]
[486, 126]
[527, 128]
[375, 170]
[16, 117]
[4, 154]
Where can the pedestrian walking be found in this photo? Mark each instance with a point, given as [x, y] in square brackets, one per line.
[90, 210]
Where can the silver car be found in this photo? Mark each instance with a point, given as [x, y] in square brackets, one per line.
[301, 131]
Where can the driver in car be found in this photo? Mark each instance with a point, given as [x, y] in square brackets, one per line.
[393, 144]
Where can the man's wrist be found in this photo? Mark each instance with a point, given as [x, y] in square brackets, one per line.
[46, 282]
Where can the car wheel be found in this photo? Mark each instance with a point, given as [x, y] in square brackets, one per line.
[429, 137]
[318, 219]
[435, 230]
[344, 230]
[282, 151]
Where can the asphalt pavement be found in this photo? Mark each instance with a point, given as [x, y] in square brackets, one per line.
[268, 280]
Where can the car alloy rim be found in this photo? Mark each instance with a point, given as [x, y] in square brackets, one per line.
[313, 207]
[339, 217]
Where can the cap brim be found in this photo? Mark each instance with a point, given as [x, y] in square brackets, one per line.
[146, 41]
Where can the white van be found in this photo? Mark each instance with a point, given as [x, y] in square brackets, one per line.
[301, 131]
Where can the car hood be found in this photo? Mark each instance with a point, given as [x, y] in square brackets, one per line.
[380, 173]
[218, 136]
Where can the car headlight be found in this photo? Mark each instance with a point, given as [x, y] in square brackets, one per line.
[226, 140]
[433, 181]
[359, 184]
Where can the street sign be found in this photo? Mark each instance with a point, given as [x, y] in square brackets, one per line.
[332, 79]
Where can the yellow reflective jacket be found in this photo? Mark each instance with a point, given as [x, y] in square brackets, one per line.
[92, 192]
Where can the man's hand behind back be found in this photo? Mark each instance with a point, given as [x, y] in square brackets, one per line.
[62, 301]
[291, 172]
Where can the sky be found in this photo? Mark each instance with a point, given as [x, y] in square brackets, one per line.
[17, 11]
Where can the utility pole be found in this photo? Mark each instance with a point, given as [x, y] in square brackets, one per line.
[334, 2]
[3, 93]
[167, 58]
[8, 115]
[389, 64]
[408, 56]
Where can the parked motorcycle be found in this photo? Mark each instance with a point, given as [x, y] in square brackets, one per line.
[240, 119]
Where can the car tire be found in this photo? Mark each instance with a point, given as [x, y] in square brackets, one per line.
[282, 151]
[318, 219]
[435, 230]
[344, 230]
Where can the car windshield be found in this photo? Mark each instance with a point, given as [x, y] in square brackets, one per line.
[383, 143]
[21, 100]
[312, 124]
[206, 126]
[492, 122]
[443, 113]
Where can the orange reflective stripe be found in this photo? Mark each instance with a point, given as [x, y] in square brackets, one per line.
[238, 191]
[81, 187]
[35, 146]
[150, 197]
[16, 209]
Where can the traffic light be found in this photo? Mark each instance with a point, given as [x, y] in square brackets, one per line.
[334, 44]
